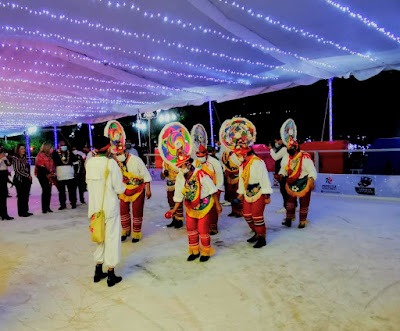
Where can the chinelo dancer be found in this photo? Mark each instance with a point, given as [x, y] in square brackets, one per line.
[210, 165]
[301, 174]
[193, 188]
[254, 187]
[137, 179]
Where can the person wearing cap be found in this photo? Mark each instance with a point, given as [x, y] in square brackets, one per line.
[213, 168]
[196, 190]
[4, 164]
[301, 174]
[254, 190]
[169, 172]
[104, 193]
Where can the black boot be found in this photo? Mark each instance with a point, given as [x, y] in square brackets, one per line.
[112, 279]
[98, 273]
[204, 258]
[123, 238]
[260, 242]
[193, 257]
[253, 239]
[287, 222]
[178, 224]
[170, 225]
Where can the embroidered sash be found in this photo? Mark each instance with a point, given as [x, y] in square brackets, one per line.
[252, 191]
[133, 183]
[295, 186]
[195, 206]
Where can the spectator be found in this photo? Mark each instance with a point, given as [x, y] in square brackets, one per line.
[22, 179]
[4, 164]
[80, 174]
[130, 147]
[66, 165]
[45, 173]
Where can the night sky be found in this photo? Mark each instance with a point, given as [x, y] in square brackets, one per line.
[367, 108]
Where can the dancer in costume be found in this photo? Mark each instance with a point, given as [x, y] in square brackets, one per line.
[254, 188]
[193, 188]
[137, 179]
[301, 174]
[103, 190]
[169, 172]
[231, 165]
[211, 166]
[277, 153]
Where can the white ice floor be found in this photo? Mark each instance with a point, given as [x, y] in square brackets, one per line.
[342, 272]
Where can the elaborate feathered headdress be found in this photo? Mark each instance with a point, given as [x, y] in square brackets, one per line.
[289, 132]
[238, 134]
[116, 133]
[199, 139]
[175, 143]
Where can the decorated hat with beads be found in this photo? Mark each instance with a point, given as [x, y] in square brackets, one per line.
[238, 134]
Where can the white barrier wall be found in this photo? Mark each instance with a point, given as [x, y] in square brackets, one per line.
[371, 185]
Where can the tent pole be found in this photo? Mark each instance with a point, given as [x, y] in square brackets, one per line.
[55, 137]
[330, 109]
[210, 112]
[28, 146]
[90, 136]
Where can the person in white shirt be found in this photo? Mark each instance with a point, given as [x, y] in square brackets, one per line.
[277, 153]
[254, 191]
[301, 174]
[105, 192]
[213, 168]
[196, 190]
[138, 178]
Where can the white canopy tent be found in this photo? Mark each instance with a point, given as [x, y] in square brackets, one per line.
[88, 61]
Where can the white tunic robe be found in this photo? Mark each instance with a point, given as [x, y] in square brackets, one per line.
[108, 252]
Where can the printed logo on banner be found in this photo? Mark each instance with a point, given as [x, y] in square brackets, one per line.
[329, 186]
[365, 186]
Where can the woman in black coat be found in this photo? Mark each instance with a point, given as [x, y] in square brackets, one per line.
[22, 180]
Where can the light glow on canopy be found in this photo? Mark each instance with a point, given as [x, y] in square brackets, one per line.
[69, 62]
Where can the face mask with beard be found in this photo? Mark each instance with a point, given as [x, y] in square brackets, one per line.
[277, 145]
[202, 159]
[291, 151]
[121, 157]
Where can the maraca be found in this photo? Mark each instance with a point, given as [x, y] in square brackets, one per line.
[168, 214]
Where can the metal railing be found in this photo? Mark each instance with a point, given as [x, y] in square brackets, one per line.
[346, 161]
